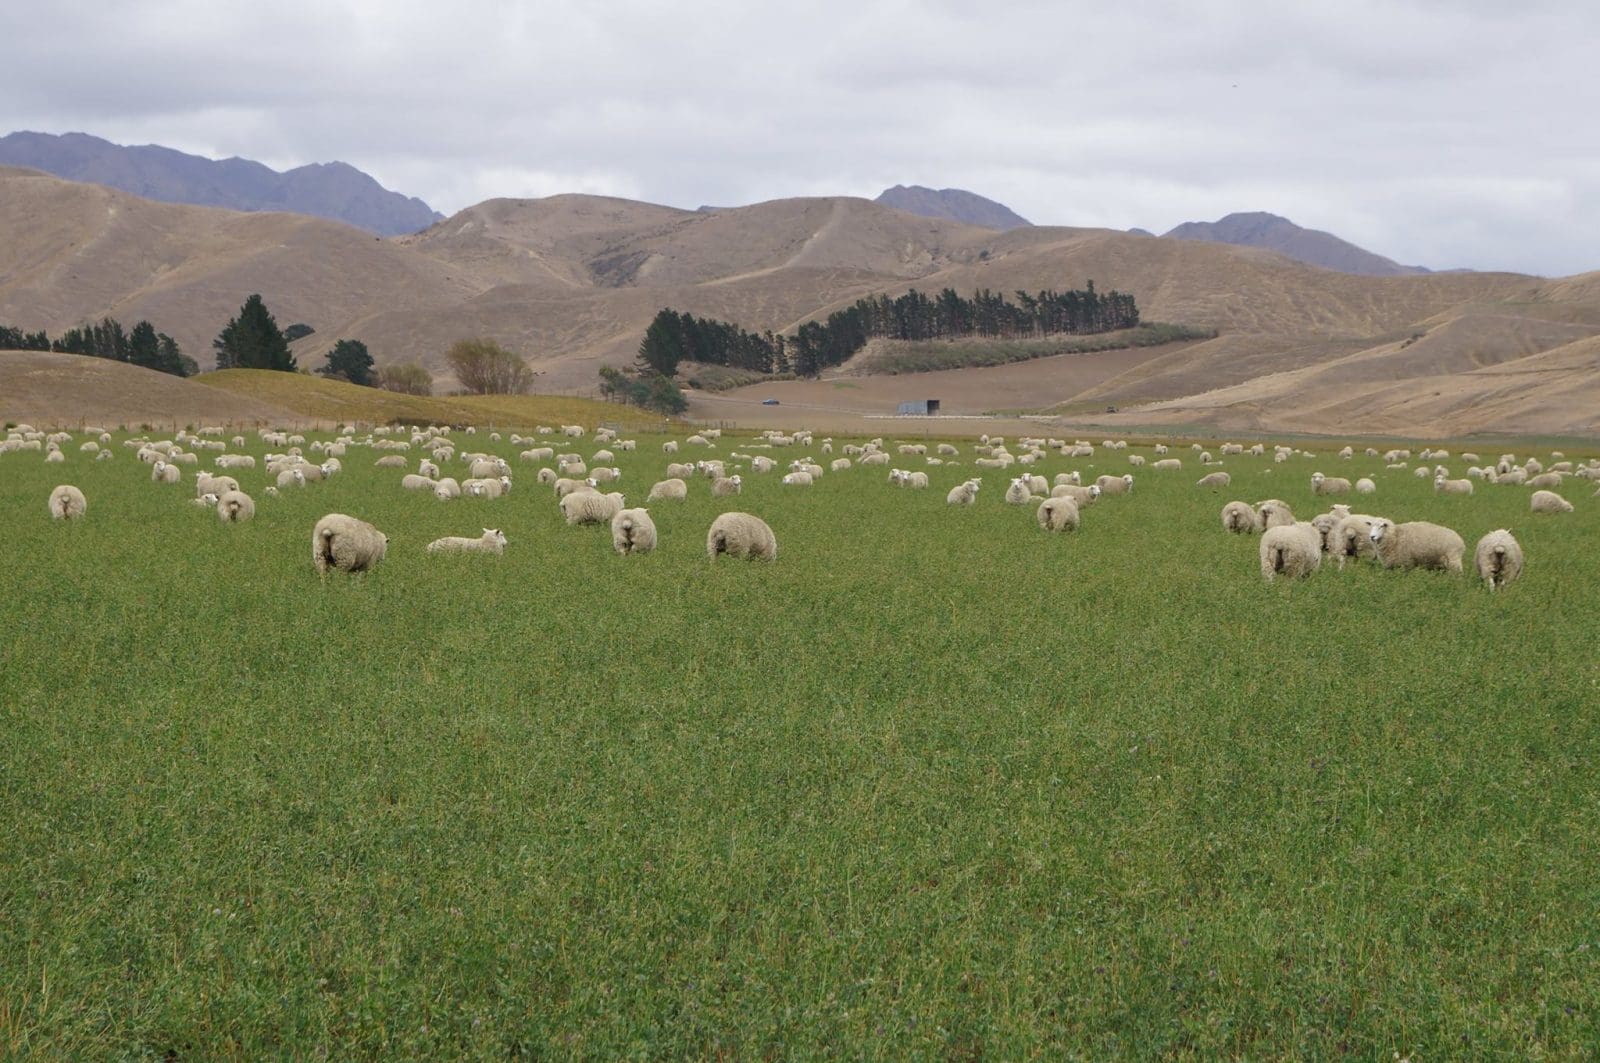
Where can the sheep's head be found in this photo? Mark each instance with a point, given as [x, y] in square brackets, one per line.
[1380, 528]
[1317, 477]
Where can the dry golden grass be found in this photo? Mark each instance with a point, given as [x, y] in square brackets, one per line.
[70, 391]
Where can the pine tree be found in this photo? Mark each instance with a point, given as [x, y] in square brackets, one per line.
[349, 360]
[252, 341]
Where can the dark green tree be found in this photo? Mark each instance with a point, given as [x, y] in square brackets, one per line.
[299, 330]
[350, 361]
[252, 341]
[663, 345]
[144, 349]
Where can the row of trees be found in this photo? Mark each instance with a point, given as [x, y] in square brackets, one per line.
[674, 337]
[142, 346]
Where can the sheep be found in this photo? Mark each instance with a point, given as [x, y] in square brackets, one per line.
[345, 543]
[681, 470]
[446, 489]
[1365, 486]
[1274, 513]
[1081, 496]
[1452, 487]
[1037, 484]
[565, 486]
[1417, 544]
[162, 473]
[741, 535]
[916, 480]
[1352, 538]
[1135, 460]
[670, 447]
[390, 461]
[55, 457]
[1167, 463]
[1549, 502]
[67, 503]
[1498, 558]
[1018, 494]
[666, 490]
[633, 532]
[602, 457]
[1073, 477]
[725, 486]
[293, 478]
[487, 488]
[1058, 514]
[1215, 479]
[413, 482]
[591, 507]
[963, 494]
[235, 507]
[1325, 523]
[839, 464]
[487, 468]
[1240, 518]
[1115, 485]
[492, 541]
[605, 475]
[1329, 485]
[797, 479]
[206, 484]
[1293, 550]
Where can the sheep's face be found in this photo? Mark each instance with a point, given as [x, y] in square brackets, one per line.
[1379, 529]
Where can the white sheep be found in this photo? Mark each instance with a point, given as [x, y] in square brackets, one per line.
[446, 489]
[1058, 514]
[1274, 513]
[415, 482]
[1417, 544]
[1214, 479]
[963, 494]
[1240, 518]
[797, 479]
[722, 487]
[1329, 485]
[345, 543]
[1548, 502]
[1352, 538]
[1498, 558]
[162, 473]
[1115, 485]
[390, 461]
[492, 541]
[1452, 487]
[1081, 496]
[291, 478]
[916, 480]
[741, 535]
[1293, 550]
[1018, 494]
[633, 532]
[591, 507]
[67, 503]
[1365, 486]
[235, 507]
[666, 490]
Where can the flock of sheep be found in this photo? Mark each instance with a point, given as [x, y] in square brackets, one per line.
[1287, 546]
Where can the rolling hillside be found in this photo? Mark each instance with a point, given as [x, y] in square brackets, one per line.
[571, 282]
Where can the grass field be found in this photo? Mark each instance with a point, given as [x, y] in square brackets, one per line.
[934, 784]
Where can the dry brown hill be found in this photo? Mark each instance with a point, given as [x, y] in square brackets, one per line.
[69, 390]
[572, 281]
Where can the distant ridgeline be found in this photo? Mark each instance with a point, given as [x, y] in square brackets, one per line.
[673, 337]
[144, 346]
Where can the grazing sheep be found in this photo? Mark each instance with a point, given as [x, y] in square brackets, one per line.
[1498, 558]
[390, 461]
[235, 507]
[722, 487]
[1452, 487]
[681, 470]
[446, 489]
[162, 473]
[207, 501]
[291, 478]
[1365, 486]
[1240, 518]
[1058, 514]
[1545, 479]
[1293, 550]
[1115, 485]
[963, 494]
[591, 507]
[1215, 479]
[492, 541]
[915, 480]
[1168, 463]
[1417, 544]
[667, 490]
[67, 503]
[1274, 513]
[206, 484]
[797, 479]
[345, 543]
[1549, 502]
[1329, 485]
[741, 535]
[487, 488]
[1352, 538]
[414, 482]
[633, 532]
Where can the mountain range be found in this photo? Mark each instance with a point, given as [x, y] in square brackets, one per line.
[333, 190]
[572, 281]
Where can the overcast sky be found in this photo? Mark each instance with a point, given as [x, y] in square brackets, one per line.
[1454, 133]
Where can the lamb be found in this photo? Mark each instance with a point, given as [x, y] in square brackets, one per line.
[67, 503]
[1058, 514]
[633, 532]
[1293, 550]
[207, 501]
[235, 507]
[1498, 558]
[345, 543]
[1549, 502]
[492, 541]
[1417, 544]
[741, 535]
[722, 487]
[1240, 518]
[1329, 485]
[1115, 485]
[591, 507]
[963, 494]
[1215, 479]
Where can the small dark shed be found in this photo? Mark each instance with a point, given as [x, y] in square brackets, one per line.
[919, 407]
